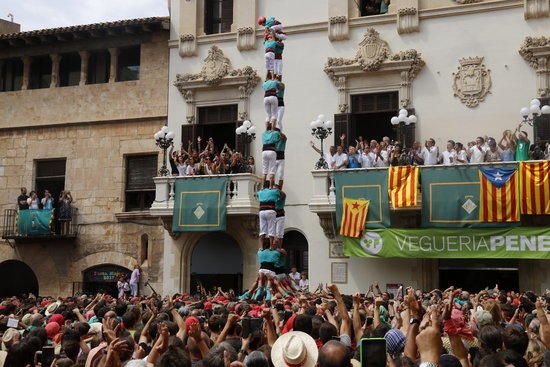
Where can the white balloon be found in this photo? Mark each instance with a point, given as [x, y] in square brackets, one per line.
[394, 120]
[252, 130]
[524, 112]
[313, 124]
[535, 110]
[402, 118]
[403, 112]
[164, 129]
[170, 135]
[157, 135]
[328, 124]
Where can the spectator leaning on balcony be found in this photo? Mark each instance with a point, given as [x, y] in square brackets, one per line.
[354, 158]
[65, 200]
[477, 151]
[329, 156]
[33, 201]
[522, 145]
[492, 154]
[508, 145]
[47, 200]
[22, 199]
[449, 155]
[430, 153]
[461, 155]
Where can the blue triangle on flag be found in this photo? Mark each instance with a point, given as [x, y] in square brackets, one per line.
[497, 176]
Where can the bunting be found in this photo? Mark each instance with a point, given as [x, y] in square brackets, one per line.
[535, 187]
[499, 195]
[403, 186]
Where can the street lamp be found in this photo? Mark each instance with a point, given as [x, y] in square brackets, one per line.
[399, 122]
[321, 129]
[164, 138]
[247, 133]
[530, 114]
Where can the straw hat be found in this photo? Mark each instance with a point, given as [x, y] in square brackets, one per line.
[52, 307]
[295, 348]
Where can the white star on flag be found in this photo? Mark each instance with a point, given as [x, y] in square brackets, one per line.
[498, 176]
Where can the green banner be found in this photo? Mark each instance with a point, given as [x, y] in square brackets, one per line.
[33, 222]
[488, 243]
[368, 185]
[451, 197]
[200, 204]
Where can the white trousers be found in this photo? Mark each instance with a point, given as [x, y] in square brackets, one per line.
[280, 227]
[267, 222]
[278, 67]
[279, 169]
[271, 104]
[280, 114]
[269, 162]
[270, 61]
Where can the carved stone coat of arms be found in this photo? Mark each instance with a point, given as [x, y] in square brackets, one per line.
[472, 82]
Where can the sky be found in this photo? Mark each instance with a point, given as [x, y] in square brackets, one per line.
[38, 14]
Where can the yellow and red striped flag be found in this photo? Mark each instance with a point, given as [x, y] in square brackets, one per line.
[403, 186]
[499, 195]
[354, 216]
[535, 187]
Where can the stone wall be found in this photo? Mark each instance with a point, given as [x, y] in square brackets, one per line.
[95, 175]
[143, 98]
[9, 27]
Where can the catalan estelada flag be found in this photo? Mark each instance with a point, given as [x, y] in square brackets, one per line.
[354, 215]
[535, 187]
[403, 186]
[499, 195]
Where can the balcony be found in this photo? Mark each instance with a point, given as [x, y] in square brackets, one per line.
[32, 228]
[241, 198]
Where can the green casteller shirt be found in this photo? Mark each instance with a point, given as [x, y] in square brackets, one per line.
[522, 150]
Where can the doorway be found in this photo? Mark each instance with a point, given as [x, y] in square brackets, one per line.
[371, 115]
[19, 279]
[217, 261]
[297, 248]
[103, 279]
[474, 275]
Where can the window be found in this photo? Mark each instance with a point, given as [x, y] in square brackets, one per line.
[41, 72]
[98, 67]
[218, 123]
[218, 16]
[372, 7]
[50, 175]
[11, 75]
[140, 188]
[370, 118]
[128, 63]
[69, 70]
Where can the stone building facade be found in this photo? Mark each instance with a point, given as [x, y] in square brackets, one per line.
[95, 117]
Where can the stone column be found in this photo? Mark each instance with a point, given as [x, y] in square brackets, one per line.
[26, 72]
[54, 82]
[84, 58]
[114, 65]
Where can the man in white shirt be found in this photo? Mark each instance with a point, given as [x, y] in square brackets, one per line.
[430, 153]
[366, 158]
[461, 155]
[329, 156]
[340, 158]
[449, 155]
[477, 152]
[294, 275]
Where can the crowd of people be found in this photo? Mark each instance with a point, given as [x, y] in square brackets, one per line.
[48, 202]
[448, 328]
[210, 161]
[512, 146]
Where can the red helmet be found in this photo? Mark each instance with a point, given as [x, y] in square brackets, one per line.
[261, 20]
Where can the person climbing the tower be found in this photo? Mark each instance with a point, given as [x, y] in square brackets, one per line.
[270, 139]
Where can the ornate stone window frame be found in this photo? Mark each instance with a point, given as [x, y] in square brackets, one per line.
[374, 68]
[218, 82]
[536, 51]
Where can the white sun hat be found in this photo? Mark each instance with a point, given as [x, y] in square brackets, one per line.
[295, 348]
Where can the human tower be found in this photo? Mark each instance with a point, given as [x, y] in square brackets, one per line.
[272, 280]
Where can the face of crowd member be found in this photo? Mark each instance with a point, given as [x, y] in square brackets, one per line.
[492, 144]
[33, 195]
[304, 275]
[416, 145]
[386, 140]
[458, 147]
[293, 269]
[397, 149]
[332, 150]
[479, 141]
[23, 191]
[382, 145]
[251, 161]
[430, 142]
[373, 144]
[523, 136]
[339, 149]
[47, 193]
[352, 150]
[450, 146]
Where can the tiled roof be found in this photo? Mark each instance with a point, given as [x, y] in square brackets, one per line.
[86, 27]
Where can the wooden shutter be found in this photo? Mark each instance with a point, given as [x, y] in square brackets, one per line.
[227, 15]
[208, 16]
[541, 128]
[188, 134]
[140, 171]
[343, 125]
[409, 132]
